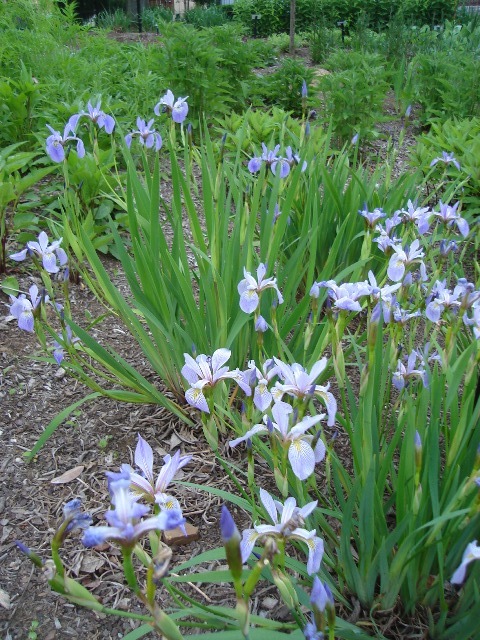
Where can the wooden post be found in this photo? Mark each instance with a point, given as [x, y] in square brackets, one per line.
[292, 27]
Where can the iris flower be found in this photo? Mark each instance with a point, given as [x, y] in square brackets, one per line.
[99, 117]
[371, 217]
[287, 521]
[146, 135]
[450, 216]
[68, 339]
[23, 309]
[145, 484]
[124, 521]
[205, 371]
[446, 158]
[56, 142]
[258, 380]
[300, 384]
[301, 455]
[418, 215]
[471, 553]
[178, 108]
[402, 258]
[442, 298]
[403, 373]
[345, 297]
[272, 160]
[48, 253]
[251, 289]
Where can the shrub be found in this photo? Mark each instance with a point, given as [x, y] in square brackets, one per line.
[353, 94]
[209, 16]
[283, 88]
[276, 13]
[116, 21]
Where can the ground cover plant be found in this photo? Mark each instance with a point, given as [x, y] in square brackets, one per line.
[308, 315]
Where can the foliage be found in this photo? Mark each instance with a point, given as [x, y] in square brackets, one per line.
[209, 16]
[153, 17]
[276, 13]
[19, 172]
[353, 95]
[441, 90]
[210, 66]
[462, 139]
[117, 20]
[283, 87]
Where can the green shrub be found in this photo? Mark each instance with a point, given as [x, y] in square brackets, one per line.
[462, 138]
[209, 16]
[283, 88]
[118, 20]
[276, 13]
[353, 95]
[154, 16]
[210, 66]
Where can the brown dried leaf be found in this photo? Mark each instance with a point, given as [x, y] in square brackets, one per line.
[68, 476]
[91, 563]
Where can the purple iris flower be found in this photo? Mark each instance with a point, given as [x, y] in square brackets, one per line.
[402, 316]
[304, 90]
[402, 258]
[23, 309]
[384, 242]
[272, 160]
[56, 142]
[68, 339]
[321, 596]
[447, 247]
[74, 517]
[467, 293]
[124, 521]
[258, 379]
[261, 325]
[300, 384]
[251, 289]
[441, 299]
[450, 216]
[371, 217]
[145, 484]
[404, 374]
[205, 371]
[447, 158]
[418, 215]
[99, 117]
[49, 253]
[345, 296]
[392, 222]
[146, 135]
[354, 139]
[471, 553]
[177, 108]
[301, 455]
[287, 521]
[293, 159]
[384, 296]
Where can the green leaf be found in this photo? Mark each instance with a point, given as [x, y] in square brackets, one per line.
[10, 286]
[140, 632]
[55, 423]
